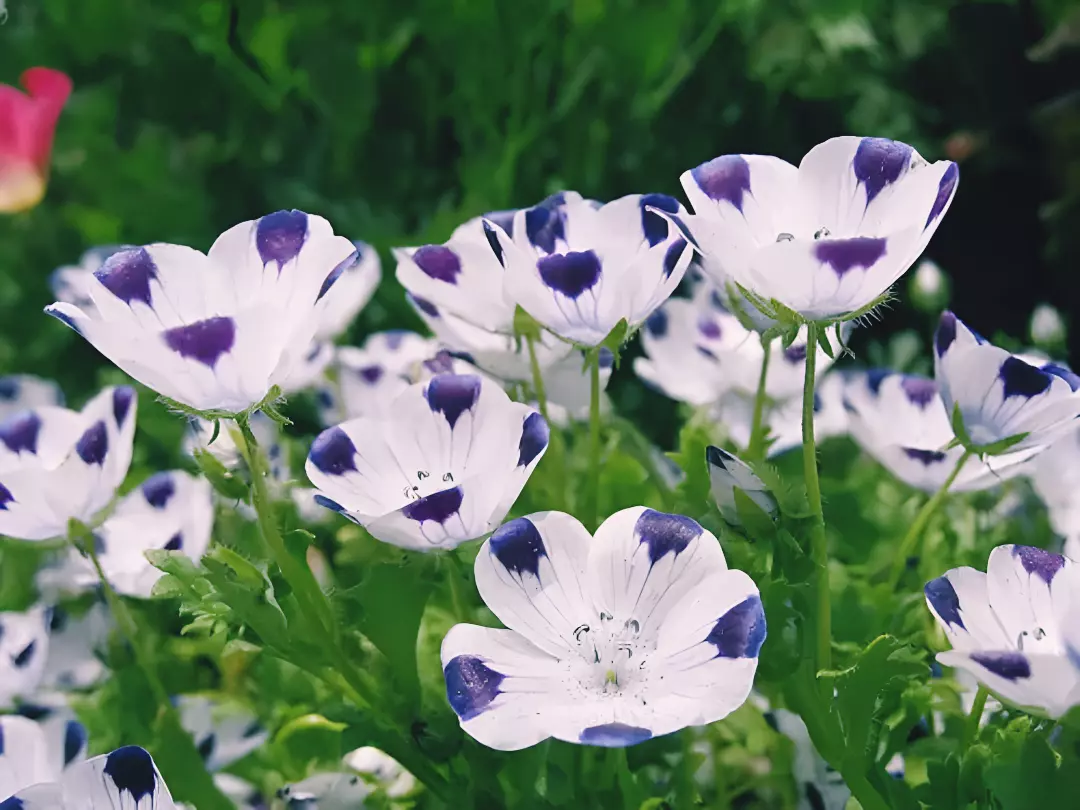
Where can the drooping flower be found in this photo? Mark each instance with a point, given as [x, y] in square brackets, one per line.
[728, 473]
[26, 135]
[366, 772]
[126, 779]
[73, 282]
[580, 269]
[1013, 627]
[635, 633]
[216, 331]
[24, 645]
[1000, 396]
[900, 420]
[826, 239]
[75, 645]
[173, 511]
[57, 464]
[23, 392]
[444, 467]
[355, 285]
[223, 733]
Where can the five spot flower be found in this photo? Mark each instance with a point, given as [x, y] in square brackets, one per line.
[444, 467]
[614, 639]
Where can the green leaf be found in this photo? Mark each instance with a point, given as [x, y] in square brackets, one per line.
[755, 521]
[311, 738]
[219, 476]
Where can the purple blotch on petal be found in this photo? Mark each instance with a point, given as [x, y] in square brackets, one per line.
[927, 457]
[654, 226]
[353, 260]
[672, 255]
[919, 390]
[795, 353]
[176, 542]
[127, 275]
[614, 735]
[493, 242]
[205, 341]
[1044, 564]
[75, 738]
[657, 323]
[371, 374]
[708, 327]
[879, 162]
[333, 505]
[437, 507]
[452, 395]
[63, 317]
[946, 333]
[544, 225]
[741, 631]
[724, 178]
[9, 388]
[395, 337]
[333, 452]
[1065, 373]
[280, 236]
[438, 262]
[942, 595]
[875, 377]
[664, 533]
[5, 497]
[534, 438]
[24, 655]
[122, 398]
[946, 187]
[606, 357]
[19, 432]
[1023, 380]
[158, 489]
[93, 444]
[504, 219]
[570, 273]
[423, 305]
[132, 771]
[1009, 665]
[518, 547]
[471, 685]
[844, 255]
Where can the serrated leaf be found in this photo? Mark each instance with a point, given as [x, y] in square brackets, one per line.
[755, 521]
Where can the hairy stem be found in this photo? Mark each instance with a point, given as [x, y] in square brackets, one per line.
[755, 450]
[538, 378]
[971, 727]
[819, 551]
[592, 501]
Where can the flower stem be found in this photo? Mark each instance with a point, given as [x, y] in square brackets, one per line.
[592, 500]
[538, 378]
[918, 526]
[971, 727]
[755, 449]
[819, 551]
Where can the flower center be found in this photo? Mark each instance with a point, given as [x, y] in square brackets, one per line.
[612, 655]
[426, 483]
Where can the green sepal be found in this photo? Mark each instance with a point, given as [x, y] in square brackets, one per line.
[219, 476]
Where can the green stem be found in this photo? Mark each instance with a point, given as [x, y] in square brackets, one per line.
[641, 449]
[755, 449]
[971, 727]
[592, 501]
[819, 551]
[538, 378]
[907, 545]
[455, 572]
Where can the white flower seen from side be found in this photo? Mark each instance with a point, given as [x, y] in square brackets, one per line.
[57, 464]
[827, 238]
[216, 331]
[75, 646]
[443, 468]
[223, 733]
[614, 639]
[366, 772]
[24, 646]
[728, 473]
[64, 736]
[359, 277]
[1055, 476]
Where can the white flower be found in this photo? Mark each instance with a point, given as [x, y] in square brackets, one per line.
[1047, 325]
[24, 756]
[1055, 475]
[21, 392]
[126, 779]
[57, 464]
[383, 769]
[309, 370]
[24, 646]
[216, 331]
[579, 269]
[223, 733]
[226, 447]
[72, 283]
[825, 239]
[635, 633]
[63, 735]
[171, 510]
[242, 793]
[73, 660]
[359, 277]
[818, 785]
[366, 772]
[1014, 627]
[443, 468]
[929, 281]
[728, 473]
[900, 420]
[1000, 396]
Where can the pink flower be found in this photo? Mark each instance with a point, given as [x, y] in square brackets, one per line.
[27, 123]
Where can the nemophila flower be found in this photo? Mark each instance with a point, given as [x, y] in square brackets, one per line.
[1047, 327]
[1013, 627]
[1000, 396]
[173, 511]
[65, 738]
[126, 779]
[728, 473]
[57, 464]
[635, 633]
[580, 269]
[24, 645]
[443, 468]
[826, 239]
[216, 331]
[26, 135]
[226, 446]
[1055, 475]
[929, 287]
[241, 792]
[75, 645]
[223, 733]
[73, 282]
[355, 285]
[366, 772]
[900, 420]
[818, 785]
[22, 392]
[24, 758]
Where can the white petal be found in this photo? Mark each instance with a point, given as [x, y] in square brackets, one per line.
[223, 733]
[1023, 583]
[126, 779]
[24, 646]
[21, 392]
[726, 473]
[960, 601]
[23, 755]
[1042, 682]
[351, 292]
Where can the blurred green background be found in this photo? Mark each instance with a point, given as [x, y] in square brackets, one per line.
[397, 120]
